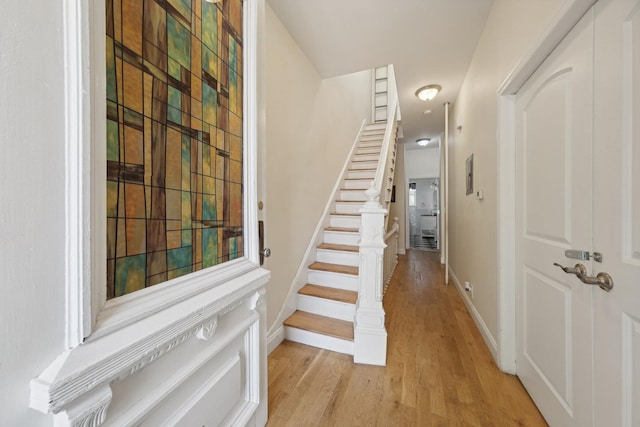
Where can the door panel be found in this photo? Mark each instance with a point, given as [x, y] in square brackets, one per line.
[550, 105]
[554, 213]
[617, 211]
[547, 332]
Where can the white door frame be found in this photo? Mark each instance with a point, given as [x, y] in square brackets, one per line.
[567, 16]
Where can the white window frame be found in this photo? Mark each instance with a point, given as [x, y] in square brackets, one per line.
[89, 314]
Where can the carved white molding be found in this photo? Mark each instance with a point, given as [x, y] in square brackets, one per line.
[379, 276]
[114, 357]
[89, 411]
[373, 195]
[207, 329]
[258, 298]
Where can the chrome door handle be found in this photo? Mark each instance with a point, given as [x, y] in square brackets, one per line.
[578, 269]
[603, 280]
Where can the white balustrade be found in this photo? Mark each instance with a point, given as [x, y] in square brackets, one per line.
[378, 249]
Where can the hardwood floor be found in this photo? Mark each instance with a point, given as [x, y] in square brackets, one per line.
[439, 371]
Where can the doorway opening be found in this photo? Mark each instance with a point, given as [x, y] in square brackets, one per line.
[424, 213]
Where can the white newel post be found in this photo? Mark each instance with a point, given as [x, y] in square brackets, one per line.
[370, 338]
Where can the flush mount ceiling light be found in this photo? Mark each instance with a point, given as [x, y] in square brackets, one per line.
[213, 1]
[427, 93]
[423, 141]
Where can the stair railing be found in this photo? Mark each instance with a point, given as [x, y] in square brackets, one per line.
[391, 239]
[370, 334]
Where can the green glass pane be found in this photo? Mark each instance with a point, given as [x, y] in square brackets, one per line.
[179, 42]
[209, 247]
[113, 141]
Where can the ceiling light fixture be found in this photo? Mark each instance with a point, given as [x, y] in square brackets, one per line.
[213, 1]
[427, 93]
[423, 141]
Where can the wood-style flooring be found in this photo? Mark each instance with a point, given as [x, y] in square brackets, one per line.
[439, 371]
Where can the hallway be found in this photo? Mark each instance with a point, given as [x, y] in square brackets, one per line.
[439, 371]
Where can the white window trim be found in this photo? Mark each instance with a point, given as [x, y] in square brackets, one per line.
[110, 340]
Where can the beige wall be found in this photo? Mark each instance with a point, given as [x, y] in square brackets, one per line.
[311, 125]
[422, 163]
[513, 27]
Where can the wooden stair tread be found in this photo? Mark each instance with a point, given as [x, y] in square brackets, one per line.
[321, 324]
[346, 214]
[342, 229]
[334, 247]
[326, 292]
[334, 268]
[351, 201]
[361, 170]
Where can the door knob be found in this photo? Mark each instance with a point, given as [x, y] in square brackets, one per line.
[266, 252]
[603, 280]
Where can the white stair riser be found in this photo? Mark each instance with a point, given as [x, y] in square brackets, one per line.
[348, 208]
[375, 126]
[337, 257]
[319, 340]
[366, 157]
[341, 238]
[363, 165]
[370, 144]
[360, 184]
[355, 195]
[361, 174]
[344, 221]
[369, 151]
[333, 280]
[367, 148]
[326, 307]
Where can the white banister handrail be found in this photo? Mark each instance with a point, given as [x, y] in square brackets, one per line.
[393, 231]
[389, 133]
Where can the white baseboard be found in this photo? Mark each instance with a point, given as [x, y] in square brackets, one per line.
[475, 315]
[275, 339]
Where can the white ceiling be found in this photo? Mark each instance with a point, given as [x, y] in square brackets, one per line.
[427, 41]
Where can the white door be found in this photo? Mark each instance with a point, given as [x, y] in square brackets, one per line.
[554, 214]
[578, 157]
[617, 212]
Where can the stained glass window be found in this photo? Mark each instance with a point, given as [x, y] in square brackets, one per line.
[174, 139]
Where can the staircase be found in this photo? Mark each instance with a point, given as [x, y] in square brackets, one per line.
[327, 303]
